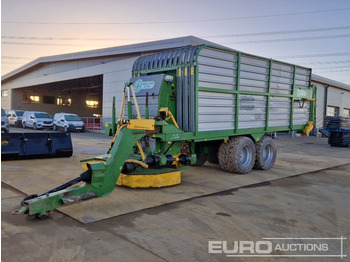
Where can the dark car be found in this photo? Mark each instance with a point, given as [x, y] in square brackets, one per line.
[4, 122]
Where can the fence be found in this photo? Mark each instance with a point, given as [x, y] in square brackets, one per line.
[93, 123]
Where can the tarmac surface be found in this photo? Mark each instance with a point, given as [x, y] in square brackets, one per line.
[311, 201]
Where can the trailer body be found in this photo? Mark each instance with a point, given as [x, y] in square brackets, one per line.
[216, 93]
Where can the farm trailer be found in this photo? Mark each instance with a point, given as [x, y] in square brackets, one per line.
[187, 106]
[224, 101]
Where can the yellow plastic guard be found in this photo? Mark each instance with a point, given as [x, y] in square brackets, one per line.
[309, 127]
[147, 181]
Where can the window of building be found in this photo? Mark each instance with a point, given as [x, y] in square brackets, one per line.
[346, 112]
[4, 93]
[31, 99]
[64, 101]
[332, 111]
[92, 102]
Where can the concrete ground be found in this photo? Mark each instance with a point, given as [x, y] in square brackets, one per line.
[311, 204]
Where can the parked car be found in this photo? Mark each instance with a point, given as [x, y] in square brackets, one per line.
[15, 117]
[36, 120]
[68, 122]
[5, 126]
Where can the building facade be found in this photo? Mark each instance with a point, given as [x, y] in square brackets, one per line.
[85, 83]
[333, 99]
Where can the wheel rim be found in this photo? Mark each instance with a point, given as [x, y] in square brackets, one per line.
[267, 153]
[245, 156]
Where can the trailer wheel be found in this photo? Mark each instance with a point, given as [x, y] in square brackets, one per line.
[266, 153]
[237, 155]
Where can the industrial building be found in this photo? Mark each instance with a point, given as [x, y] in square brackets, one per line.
[333, 99]
[85, 83]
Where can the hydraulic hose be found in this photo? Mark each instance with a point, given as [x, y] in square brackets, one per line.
[84, 177]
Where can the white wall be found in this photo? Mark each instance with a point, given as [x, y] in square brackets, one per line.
[56, 71]
[320, 109]
[6, 101]
[336, 97]
[114, 78]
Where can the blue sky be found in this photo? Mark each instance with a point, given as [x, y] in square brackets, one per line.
[313, 33]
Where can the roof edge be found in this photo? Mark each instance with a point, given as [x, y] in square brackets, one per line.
[118, 50]
[331, 82]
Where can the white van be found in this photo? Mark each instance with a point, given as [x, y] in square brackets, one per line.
[35, 120]
[15, 117]
[68, 122]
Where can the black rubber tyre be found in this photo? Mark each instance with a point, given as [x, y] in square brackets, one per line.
[266, 153]
[237, 155]
[213, 157]
[201, 159]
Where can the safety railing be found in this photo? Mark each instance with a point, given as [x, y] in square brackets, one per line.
[93, 123]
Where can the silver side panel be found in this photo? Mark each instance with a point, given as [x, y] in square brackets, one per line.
[281, 78]
[301, 113]
[279, 113]
[217, 69]
[302, 77]
[321, 90]
[254, 74]
[216, 111]
[252, 111]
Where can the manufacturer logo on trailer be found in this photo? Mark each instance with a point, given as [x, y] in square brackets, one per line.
[139, 85]
[301, 93]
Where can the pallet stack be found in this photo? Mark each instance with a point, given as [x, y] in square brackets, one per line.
[340, 131]
[336, 122]
[339, 138]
